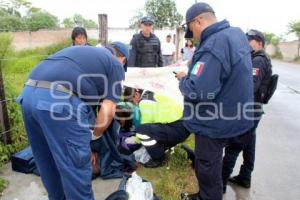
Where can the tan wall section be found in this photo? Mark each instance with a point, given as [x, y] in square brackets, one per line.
[289, 50]
[27, 40]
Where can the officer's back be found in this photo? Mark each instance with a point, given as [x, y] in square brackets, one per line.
[145, 47]
[86, 70]
[228, 48]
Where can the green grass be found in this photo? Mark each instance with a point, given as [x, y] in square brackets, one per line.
[175, 177]
[3, 184]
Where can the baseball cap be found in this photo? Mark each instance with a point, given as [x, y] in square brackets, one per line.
[253, 34]
[192, 12]
[123, 49]
[147, 20]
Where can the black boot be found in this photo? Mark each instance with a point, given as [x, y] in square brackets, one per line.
[240, 181]
[154, 163]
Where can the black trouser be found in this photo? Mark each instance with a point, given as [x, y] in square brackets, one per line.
[208, 164]
[233, 150]
[156, 138]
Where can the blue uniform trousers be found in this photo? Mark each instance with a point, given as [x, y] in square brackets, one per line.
[58, 132]
[208, 164]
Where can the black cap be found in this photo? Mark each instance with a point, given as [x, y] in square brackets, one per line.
[253, 34]
[147, 20]
[194, 11]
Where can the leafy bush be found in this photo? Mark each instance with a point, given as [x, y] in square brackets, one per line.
[277, 55]
[297, 59]
[3, 184]
[15, 72]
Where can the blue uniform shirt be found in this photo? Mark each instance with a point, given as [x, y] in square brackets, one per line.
[92, 73]
[219, 84]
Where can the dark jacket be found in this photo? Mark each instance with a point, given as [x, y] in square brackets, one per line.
[262, 71]
[219, 84]
[145, 52]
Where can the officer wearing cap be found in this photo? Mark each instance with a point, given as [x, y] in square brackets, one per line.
[57, 105]
[262, 71]
[145, 47]
[218, 83]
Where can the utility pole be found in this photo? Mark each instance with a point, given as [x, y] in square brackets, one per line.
[102, 20]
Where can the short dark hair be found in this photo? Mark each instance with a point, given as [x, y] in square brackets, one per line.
[78, 31]
[129, 93]
[124, 112]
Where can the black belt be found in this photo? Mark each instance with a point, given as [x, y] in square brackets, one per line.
[49, 85]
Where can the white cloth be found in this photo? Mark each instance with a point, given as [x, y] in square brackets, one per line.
[159, 79]
[167, 49]
[139, 189]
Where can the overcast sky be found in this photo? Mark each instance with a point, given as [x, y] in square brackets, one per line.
[264, 15]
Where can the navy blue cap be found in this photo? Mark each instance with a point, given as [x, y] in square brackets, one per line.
[194, 11]
[253, 34]
[147, 20]
[123, 49]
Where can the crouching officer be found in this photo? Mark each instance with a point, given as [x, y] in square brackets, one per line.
[160, 124]
[145, 47]
[57, 105]
[262, 72]
[218, 83]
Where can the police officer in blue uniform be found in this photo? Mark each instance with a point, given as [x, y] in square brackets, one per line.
[57, 105]
[262, 71]
[218, 84]
[145, 47]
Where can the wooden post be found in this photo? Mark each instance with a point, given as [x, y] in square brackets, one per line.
[177, 42]
[102, 20]
[4, 120]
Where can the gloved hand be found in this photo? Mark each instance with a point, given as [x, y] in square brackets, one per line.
[93, 137]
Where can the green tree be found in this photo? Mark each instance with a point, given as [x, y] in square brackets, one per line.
[163, 11]
[294, 27]
[88, 23]
[41, 20]
[274, 40]
[13, 7]
[271, 38]
[134, 22]
[79, 20]
[11, 23]
[68, 22]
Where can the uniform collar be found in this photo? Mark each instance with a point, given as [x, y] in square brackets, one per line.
[260, 52]
[214, 28]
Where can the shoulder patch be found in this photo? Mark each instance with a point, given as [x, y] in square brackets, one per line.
[198, 68]
[256, 71]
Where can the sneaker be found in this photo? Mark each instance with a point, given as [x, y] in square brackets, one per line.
[240, 182]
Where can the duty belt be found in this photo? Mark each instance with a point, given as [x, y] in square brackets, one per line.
[49, 85]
